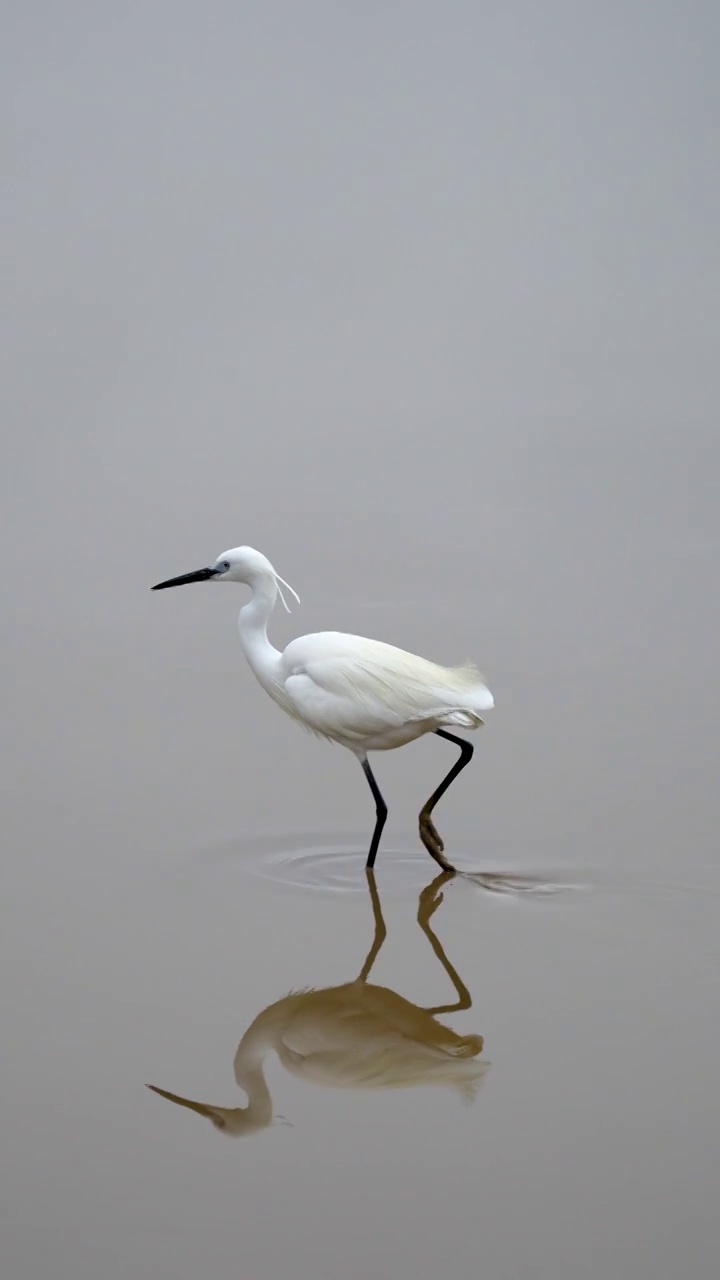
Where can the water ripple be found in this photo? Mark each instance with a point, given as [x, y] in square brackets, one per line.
[329, 864]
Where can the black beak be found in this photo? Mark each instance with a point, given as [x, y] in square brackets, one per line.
[199, 575]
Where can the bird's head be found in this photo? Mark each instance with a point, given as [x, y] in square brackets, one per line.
[234, 1122]
[241, 564]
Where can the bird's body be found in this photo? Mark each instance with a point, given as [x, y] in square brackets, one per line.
[363, 1036]
[368, 695]
[361, 693]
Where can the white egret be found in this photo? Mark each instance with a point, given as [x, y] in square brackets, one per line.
[363, 694]
[354, 1036]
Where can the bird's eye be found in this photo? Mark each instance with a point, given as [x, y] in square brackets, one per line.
[226, 564]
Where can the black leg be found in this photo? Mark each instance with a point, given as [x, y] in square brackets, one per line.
[428, 832]
[380, 810]
[380, 930]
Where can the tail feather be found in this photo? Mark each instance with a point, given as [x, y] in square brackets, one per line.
[462, 719]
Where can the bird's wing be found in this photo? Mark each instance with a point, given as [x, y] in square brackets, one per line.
[327, 700]
[358, 687]
[362, 1036]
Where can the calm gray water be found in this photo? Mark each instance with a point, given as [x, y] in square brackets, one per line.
[424, 305]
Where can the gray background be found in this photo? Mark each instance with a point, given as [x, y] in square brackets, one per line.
[422, 301]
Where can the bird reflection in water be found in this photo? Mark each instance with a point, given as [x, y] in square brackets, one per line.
[354, 1036]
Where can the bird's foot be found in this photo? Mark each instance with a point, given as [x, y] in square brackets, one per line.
[432, 896]
[429, 834]
[433, 841]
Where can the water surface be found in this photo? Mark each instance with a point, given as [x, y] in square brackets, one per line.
[423, 306]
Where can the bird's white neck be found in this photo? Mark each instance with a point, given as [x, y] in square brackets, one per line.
[262, 656]
[250, 1076]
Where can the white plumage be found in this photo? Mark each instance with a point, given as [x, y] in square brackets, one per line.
[368, 694]
[361, 693]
